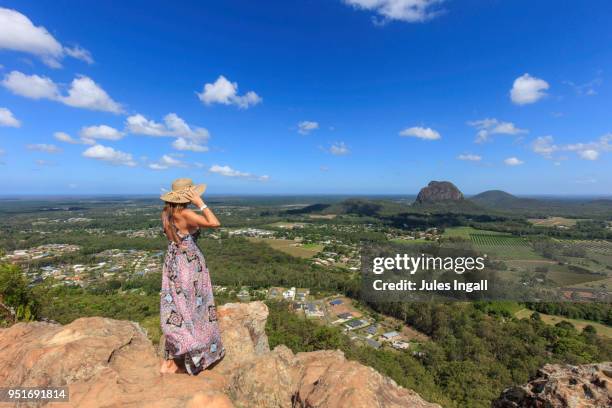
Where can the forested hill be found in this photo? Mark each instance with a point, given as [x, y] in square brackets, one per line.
[498, 200]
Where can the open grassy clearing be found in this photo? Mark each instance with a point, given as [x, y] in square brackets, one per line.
[286, 225]
[410, 241]
[595, 245]
[322, 216]
[465, 232]
[561, 275]
[602, 329]
[554, 221]
[290, 247]
[502, 252]
[566, 277]
[595, 284]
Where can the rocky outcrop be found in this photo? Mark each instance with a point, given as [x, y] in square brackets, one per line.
[111, 363]
[557, 386]
[439, 191]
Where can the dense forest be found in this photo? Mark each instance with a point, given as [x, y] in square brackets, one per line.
[596, 312]
[472, 356]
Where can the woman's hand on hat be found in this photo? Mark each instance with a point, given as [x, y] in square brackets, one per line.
[194, 197]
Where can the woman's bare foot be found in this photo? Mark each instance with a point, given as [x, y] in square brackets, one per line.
[170, 367]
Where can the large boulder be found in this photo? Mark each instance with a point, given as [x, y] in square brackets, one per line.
[439, 191]
[111, 363]
[562, 386]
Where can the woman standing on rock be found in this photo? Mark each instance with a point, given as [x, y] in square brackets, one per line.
[188, 313]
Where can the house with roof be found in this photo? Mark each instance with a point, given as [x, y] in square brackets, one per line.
[373, 343]
[355, 324]
[336, 302]
[275, 293]
[289, 294]
[345, 316]
[389, 336]
[312, 310]
[301, 294]
[400, 345]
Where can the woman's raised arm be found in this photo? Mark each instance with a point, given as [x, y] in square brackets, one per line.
[207, 219]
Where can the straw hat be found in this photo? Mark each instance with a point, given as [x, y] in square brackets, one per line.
[180, 188]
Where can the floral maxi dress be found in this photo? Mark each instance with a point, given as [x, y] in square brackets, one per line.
[188, 313]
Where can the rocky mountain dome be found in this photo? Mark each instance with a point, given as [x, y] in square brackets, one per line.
[111, 363]
[437, 191]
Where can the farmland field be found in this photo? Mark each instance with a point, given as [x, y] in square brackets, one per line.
[566, 277]
[596, 245]
[497, 245]
[554, 222]
[465, 232]
[291, 247]
[595, 284]
[498, 240]
[504, 246]
[602, 329]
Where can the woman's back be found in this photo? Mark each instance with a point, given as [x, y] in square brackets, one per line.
[183, 223]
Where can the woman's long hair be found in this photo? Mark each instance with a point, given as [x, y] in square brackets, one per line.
[168, 220]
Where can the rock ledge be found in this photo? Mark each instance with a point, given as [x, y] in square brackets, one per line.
[111, 363]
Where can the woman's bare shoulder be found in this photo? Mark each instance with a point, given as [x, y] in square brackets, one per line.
[187, 215]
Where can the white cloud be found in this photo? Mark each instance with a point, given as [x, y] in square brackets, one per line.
[410, 11]
[31, 86]
[546, 147]
[527, 89]
[45, 163]
[83, 92]
[8, 119]
[173, 126]
[66, 138]
[587, 180]
[187, 145]
[80, 53]
[469, 157]
[90, 133]
[488, 127]
[586, 89]
[421, 133]
[108, 154]
[513, 161]
[42, 147]
[227, 171]
[2, 151]
[18, 33]
[165, 162]
[306, 126]
[589, 154]
[339, 149]
[226, 93]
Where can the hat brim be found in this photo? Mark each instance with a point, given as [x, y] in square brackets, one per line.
[179, 197]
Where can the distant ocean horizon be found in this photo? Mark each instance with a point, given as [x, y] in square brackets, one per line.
[391, 196]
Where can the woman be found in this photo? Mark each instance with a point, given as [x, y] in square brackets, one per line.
[188, 314]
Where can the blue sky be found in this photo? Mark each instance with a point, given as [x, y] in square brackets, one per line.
[319, 96]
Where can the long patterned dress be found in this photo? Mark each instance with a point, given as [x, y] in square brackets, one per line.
[188, 313]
